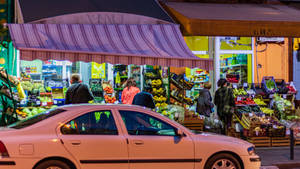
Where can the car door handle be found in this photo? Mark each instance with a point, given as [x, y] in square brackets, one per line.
[75, 142]
[138, 142]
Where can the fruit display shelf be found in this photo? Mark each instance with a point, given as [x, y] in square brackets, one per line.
[272, 141]
[233, 66]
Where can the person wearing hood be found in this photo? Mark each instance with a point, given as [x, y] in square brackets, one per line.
[204, 101]
[224, 100]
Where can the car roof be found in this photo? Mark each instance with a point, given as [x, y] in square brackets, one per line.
[116, 106]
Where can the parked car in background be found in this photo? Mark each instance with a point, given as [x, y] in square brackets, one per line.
[116, 137]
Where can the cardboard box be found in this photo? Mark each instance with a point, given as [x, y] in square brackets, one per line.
[58, 93]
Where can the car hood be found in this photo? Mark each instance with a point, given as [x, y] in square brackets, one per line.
[5, 130]
[222, 138]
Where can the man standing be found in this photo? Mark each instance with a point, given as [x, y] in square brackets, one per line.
[78, 93]
[144, 98]
[224, 100]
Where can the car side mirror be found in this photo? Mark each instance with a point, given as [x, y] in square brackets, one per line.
[179, 133]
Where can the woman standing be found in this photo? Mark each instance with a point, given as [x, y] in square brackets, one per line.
[129, 91]
[204, 101]
[224, 100]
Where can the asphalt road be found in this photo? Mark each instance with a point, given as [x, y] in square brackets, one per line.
[280, 157]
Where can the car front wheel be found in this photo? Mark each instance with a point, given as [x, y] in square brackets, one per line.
[223, 161]
[53, 164]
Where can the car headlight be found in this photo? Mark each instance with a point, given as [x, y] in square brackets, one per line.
[251, 150]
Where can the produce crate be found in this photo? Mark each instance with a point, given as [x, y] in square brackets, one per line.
[252, 133]
[194, 124]
[232, 133]
[58, 93]
[280, 141]
[277, 132]
[297, 141]
[270, 80]
[260, 141]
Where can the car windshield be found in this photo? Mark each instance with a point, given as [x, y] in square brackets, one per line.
[35, 119]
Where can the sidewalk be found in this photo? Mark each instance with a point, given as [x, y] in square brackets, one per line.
[279, 156]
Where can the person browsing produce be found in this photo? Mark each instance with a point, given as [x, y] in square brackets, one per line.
[129, 91]
[224, 100]
[204, 101]
[78, 93]
[144, 98]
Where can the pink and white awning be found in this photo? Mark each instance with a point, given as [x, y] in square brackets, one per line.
[117, 44]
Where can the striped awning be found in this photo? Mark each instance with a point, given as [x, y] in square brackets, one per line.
[117, 44]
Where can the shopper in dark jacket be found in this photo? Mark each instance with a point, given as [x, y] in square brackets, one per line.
[144, 99]
[78, 93]
[204, 101]
[224, 100]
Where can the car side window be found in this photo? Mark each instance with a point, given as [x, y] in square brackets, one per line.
[143, 124]
[93, 123]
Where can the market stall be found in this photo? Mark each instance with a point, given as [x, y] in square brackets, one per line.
[174, 90]
[141, 52]
[265, 112]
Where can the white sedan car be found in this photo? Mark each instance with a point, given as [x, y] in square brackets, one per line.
[116, 137]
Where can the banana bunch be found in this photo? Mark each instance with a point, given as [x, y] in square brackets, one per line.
[158, 91]
[160, 99]
[259, 102]
[157, 82]
[239, 92]
[280, 127]
[267, 111]
[150, 74]
[257, 129]
[161, 105]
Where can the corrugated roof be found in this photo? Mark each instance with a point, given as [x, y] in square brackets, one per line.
[117, 44]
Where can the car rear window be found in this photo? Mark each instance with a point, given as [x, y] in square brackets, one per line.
[35, 119]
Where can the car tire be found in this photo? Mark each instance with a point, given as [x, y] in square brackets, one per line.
[223, 159]
[54, 164]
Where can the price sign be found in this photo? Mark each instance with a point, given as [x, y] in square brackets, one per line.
[287, 132]
[239, 98]
[54, 101]
[245, 85]
[38, 102]
[44, 103]
[250, 114]
[284, 96]
[234, 86]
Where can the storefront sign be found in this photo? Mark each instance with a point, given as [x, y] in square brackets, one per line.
[227, 38]
[270, 40]
[98, 71]
[284, 96]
